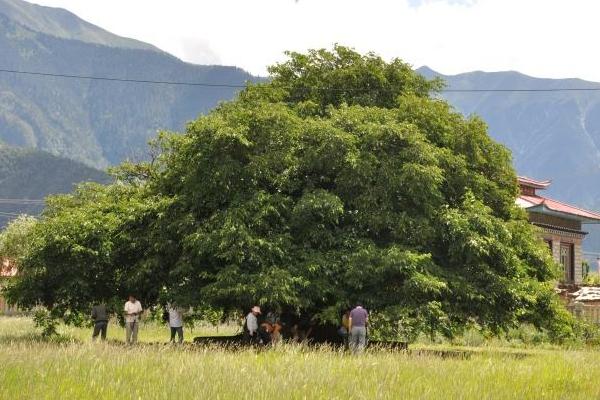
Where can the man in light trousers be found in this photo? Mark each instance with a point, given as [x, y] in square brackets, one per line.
[358, 319]
[132, 311]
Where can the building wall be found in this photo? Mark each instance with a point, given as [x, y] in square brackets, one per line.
[578, 262]
[557, 237]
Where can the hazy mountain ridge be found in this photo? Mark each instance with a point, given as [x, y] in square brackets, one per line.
[97, 122]
[552, 135]
[33, 174]
[64, 24]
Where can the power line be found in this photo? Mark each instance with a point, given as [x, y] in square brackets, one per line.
[239, 86]
[9, 214]
[522, 90]
[22, 201]
[105, 78]
[12, 216]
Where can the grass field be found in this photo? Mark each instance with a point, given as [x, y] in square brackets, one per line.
[76, 368]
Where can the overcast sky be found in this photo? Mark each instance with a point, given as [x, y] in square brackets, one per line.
[544, 38]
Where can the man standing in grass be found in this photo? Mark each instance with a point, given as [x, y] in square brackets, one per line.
[132, 310]
[357, 321]
[176, 323]
[251, 325]
[100, 318]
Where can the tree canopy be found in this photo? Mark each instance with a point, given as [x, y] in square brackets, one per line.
[344, 178]
[15, 240]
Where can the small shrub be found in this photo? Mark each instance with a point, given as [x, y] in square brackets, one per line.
[472, 337]
[43, 319]
[528, 335]
[592, 279]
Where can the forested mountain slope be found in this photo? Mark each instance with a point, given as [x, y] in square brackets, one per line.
[32, 174]
[94, 121]
[552, 135]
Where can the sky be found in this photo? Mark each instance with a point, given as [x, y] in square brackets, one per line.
[542, 38]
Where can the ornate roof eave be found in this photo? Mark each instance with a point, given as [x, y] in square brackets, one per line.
[559, 229]
[525, 181]
[543, 209]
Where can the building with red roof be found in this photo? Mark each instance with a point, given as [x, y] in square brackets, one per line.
[560, 226]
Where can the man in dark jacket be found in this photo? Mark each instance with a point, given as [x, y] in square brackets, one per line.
[100, 318]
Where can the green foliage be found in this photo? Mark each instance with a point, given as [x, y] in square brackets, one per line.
[80, 248]
[43, 319]
[342, 76]
[592, 279]
[16, 238]
[311, 201]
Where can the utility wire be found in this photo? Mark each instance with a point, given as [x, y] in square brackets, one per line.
[239, 86]
[9, 214]
[522, 90]
[105, 78]
[21, 201]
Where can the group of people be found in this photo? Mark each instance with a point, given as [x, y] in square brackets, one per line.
[257, 330]
[132, 310]
[269, 331]
[275, 326]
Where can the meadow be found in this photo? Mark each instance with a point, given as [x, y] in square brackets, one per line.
[74, 367]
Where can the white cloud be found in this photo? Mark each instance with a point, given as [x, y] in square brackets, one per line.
[199, 51]
[550, 38]
[419, 3]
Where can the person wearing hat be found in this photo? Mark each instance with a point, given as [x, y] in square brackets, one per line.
[251, 325]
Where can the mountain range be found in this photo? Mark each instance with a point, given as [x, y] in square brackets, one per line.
[553, 135]
[34, 174]
[58, 22]
[97, 123]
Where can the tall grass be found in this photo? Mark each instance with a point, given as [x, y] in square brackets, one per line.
[76, 368]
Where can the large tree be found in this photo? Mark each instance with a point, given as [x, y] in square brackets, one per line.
[343, 179]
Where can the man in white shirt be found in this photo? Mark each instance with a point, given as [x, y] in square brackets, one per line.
[175, 322]
[251, 325]
[132, 311]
